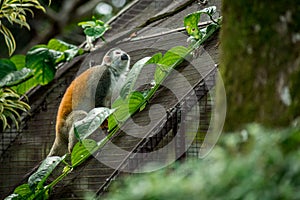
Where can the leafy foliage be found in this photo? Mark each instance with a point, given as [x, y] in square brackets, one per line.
[91, 122]
[14, 11]
[125, 108]
[132, 77]
[16, 77]
[67, 51]
[93, 30]
[82, 150]
[251, 164]
[10, 105]
[135, 101]
[7, 67]
[191, 25]
[37, 179]
[21, 73]
[38, 67]
[42, 61]
[129, 102]
[35, 189]
[166, 63]
[13, 71]
[191, 21]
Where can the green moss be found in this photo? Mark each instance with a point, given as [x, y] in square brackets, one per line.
[257, 51]
[263, 165]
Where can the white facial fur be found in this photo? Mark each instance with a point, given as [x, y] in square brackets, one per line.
[119, 68]
[113, 58]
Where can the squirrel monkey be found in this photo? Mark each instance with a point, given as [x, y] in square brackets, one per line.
[96, 87]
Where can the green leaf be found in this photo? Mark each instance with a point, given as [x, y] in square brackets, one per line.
[19, 61]
[191, 21]
[16, 77]
[191, 25]
[37, 179]
[155, 58]
[171, 59]
[9, 39]
[136, 99]
[94, 29]
[126, 107]
[179, 51]
[132, 77]
[13, 197]
[112, 122]
[91, 122]
[143, 106]
[87, 24]
[95, 22]
[81, 151]
[211, 28]
[69, 51]
[159, 74]
[59, 45]
[42, 61]
[99, 22]
[6, 66]
[22, 88]
[24, 191]
[173, 56]
[95, 32]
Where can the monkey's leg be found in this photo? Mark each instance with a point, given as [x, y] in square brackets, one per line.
[72, 118]
[59, 148]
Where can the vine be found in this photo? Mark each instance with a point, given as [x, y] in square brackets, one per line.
[38, 67]
[129, 102]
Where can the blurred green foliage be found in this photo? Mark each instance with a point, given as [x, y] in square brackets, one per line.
[10, 107]
[15, 12]
[256, 163]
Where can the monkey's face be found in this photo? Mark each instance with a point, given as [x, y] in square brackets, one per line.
[118, 60]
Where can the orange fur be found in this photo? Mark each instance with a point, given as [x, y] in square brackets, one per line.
[79, 98]
[71, 98]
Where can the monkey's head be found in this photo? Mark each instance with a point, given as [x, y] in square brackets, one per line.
[117, 60]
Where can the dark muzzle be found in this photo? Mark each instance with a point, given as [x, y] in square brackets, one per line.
[124, 57]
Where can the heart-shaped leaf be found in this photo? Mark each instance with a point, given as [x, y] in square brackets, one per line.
[7, 66]
[81, 151]
[37, 179]
[42, 61]
[125, 108]
[16, 77]
[91, 122]
[191, 21]
[19, 61]
[132, 77]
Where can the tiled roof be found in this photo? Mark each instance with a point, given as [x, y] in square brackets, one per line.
[33, 143]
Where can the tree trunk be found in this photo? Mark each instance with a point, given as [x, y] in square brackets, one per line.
[260, 62]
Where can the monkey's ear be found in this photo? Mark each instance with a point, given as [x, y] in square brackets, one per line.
[107, 60]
